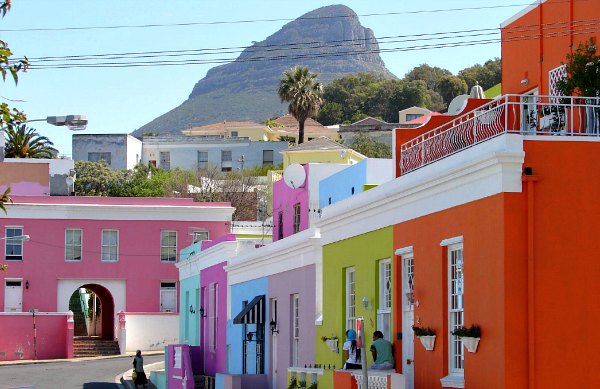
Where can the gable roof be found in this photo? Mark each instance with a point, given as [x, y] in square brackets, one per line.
[369, 120]
[321, 143]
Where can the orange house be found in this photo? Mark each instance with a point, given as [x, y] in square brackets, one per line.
[496, 226]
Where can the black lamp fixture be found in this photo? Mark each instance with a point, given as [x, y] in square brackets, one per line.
[192, 310]
[249, 336]
[273, 327]
[202, 314]
[27, 284]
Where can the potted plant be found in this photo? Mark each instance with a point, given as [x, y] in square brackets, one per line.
[426, 335]
[469, 336]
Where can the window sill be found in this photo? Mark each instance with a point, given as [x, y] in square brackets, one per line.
[454, 380]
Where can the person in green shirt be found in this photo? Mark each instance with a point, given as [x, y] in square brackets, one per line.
[382, 352]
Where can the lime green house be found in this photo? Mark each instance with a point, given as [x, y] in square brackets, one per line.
[357, 282]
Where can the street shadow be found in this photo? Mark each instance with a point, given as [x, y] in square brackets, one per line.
[100, 385]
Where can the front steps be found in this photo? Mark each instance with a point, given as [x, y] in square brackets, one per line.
[93, 346]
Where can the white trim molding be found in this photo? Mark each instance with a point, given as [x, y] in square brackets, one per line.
[484, 170]
[404, 250]
[451, 241]
[453, 381]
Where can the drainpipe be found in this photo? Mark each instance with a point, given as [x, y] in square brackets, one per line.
[541, 59]
[530, 179]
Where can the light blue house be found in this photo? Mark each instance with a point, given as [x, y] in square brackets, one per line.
[354, 179]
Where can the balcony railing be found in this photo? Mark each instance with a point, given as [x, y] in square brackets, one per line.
[523, 114]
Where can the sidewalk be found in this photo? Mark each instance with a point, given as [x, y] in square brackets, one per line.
[41, 361]
[128, 382]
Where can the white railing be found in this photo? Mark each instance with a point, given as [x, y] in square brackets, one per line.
[305, 376]
[377, 379]
[525, 114]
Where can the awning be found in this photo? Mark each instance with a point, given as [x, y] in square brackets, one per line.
[253, 313]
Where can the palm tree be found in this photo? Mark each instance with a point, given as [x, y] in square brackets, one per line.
[25, 142]
[298, 86]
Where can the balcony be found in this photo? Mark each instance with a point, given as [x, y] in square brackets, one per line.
[520, 114]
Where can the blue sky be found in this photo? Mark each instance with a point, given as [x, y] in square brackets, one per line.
[119, 100]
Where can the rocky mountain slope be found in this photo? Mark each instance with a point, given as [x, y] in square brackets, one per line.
[329, 40]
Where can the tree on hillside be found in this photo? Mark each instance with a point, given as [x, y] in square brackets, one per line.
[9, 117]
[431, 75]
[412, 94]
[299, 88]
[488, 74]
[366, 145]
[25, 142]
[450, 87]
[583, 72]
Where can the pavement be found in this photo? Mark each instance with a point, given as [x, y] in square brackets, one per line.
[124, 378]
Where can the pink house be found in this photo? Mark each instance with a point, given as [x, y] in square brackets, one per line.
[121, 249]
[296, 207]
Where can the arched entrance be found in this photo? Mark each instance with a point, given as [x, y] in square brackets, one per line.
[93, 310]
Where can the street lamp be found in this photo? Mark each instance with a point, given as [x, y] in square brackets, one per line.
[73, 122]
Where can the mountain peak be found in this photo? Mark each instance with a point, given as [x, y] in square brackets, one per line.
[329, 40]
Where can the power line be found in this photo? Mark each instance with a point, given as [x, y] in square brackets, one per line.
[576, 30]
[246, 21]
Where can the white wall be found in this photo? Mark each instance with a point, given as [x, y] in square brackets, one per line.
[134, 151]
[151, 331]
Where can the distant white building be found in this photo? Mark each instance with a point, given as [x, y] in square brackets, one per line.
[123, 151]
[119, 151]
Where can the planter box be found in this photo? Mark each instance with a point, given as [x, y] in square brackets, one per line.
[470, 343]
[333, 345]
[428, 342]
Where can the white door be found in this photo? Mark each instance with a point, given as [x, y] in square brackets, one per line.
[13, 296]
[529, 115]
[408, 315]
[168, 297]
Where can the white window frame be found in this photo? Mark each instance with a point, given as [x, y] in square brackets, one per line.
[295, 329]
[350, 298]
[170, 250]
[384, 310]
[107, 245]
[169, 287]
[165, 160]
[455, 291]
[213, 327]
[8, 241]
[73, 246]
[202, 162]
[297, 213]
[200, 235]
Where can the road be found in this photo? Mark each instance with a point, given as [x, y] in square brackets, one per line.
[86, 374]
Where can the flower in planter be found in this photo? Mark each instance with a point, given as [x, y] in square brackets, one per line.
[469, 336]
[423, 331]
[471, 332]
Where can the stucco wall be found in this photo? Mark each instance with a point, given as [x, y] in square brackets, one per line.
[189, 323]
[244, 291]
[363, 253]
[184, 153]
[151, 331]
[284, 199]
[215, 361]
[25, 178]
[283, 286]
[51, 336]
[116, 144]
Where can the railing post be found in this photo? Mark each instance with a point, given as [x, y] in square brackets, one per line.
[422, 150]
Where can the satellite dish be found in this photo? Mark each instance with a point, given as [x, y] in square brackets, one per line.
[294, 175]
[457, 104]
